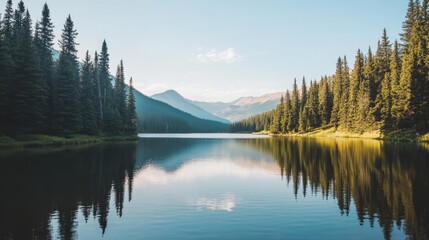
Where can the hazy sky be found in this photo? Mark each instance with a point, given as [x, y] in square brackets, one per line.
[224, 49]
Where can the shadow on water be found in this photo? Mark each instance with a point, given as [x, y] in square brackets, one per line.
[387, 183]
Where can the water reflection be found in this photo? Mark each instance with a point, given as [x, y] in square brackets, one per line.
[54, 192]
[387, 182]
[42, 186]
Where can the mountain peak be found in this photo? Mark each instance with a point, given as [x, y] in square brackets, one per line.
[171, 93]
[176, 100]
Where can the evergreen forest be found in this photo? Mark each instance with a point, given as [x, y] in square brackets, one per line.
[40, 94]
[387, 90]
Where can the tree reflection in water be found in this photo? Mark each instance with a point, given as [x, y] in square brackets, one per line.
[387, 182]
[49, 184]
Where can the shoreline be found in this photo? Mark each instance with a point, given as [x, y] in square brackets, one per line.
[42, 140]
[396, 136]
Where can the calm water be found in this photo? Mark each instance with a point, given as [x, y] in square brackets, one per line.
[217, 187]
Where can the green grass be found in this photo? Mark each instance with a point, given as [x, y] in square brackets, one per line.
[120, 138]
[37, 140]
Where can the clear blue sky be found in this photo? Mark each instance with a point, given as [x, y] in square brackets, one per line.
[222, 50]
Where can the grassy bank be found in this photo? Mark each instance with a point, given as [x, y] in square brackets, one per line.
[331, 132]
[37, 140]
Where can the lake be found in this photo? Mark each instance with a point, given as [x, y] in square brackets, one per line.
[217, 187]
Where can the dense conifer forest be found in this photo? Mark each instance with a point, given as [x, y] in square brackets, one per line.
[385, 91]
[40, 94]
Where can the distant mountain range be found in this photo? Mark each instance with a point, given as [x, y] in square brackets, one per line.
[158, 117]
[176, 100]
[237, 110]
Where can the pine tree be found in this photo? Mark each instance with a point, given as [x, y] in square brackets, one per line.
[97, 91]
[408, 24]
[343, 111]
[89, 119]
[6, 70]
[278, 115]
[325, 106]
[303, 117]
[293, 122]
[395, 68]
[44, 38]
[314, 105]
[67, 118]
[7, 28]
[364, 118]
[286, 113]
[17, 28]
[413, 78]
[131, 110]
[304, 123]
[119, 93]
[28, 90]
[337, 93]
[355, 82]
[386, 105]
[381, 68]
[104, 77]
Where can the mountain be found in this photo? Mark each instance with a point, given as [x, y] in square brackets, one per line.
[176, 100]
[241, 108]
[158, 117]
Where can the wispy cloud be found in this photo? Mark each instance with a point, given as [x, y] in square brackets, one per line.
[230, 55]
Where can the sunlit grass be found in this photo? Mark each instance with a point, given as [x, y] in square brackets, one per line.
[332, 132]
[424, 138]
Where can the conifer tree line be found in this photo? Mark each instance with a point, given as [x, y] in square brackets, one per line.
[387, 90]
[39, 94]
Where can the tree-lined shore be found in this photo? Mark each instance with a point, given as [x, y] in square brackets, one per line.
[385, 92]
[40, 94]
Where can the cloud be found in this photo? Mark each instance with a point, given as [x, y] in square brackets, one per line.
[228, 56]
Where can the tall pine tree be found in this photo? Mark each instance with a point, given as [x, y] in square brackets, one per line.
[396, 91]
[286, 113]
[337, 93]
[67, 117]
[325, 102]
[355, 82]
[131, 110]
[28, 90]
[119, 93]
[6, 68]
[89, 114]
[344, 100]
[293, 123]
[44, 39]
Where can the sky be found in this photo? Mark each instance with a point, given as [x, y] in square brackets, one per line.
[225, 49]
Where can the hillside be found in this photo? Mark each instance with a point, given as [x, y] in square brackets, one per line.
[158, 117]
